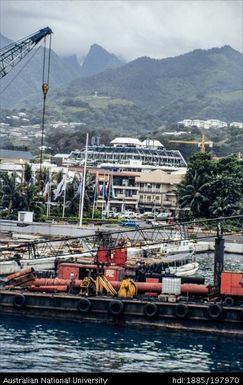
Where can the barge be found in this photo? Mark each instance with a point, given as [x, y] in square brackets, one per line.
[101, 292]
[183, 315]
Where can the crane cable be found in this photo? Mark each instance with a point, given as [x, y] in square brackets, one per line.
[45, 88]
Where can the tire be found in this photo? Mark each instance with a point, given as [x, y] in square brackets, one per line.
[241, 315]
[181, 310]
[214, 311]
[116, 307]
[19, 301]
[84, 305]
[150, 310]
[228, 301]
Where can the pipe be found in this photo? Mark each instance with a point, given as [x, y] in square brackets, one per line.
[143, 287]
[56, 282]
[20, 273]
[48, 289]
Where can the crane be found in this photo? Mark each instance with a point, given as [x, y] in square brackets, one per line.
[13, 53]
[201, 143]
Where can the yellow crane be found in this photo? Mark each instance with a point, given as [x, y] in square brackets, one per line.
[201, 143]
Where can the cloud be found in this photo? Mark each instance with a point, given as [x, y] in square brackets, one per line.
[127, 28]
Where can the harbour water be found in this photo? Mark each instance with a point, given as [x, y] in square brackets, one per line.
[39, 345]
[47, 345]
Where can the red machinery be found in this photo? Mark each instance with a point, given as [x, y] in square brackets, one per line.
[231, 284]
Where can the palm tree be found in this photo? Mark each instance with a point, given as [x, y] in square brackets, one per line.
[11, 195]
[223, 207]
[192, 194]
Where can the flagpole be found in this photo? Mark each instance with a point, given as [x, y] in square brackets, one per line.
[48, 196]
[95, 194]
[64, 196]
[103, 196]
[83, 186]
[108, 195]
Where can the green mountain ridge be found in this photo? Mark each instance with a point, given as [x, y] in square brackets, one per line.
[158, 84]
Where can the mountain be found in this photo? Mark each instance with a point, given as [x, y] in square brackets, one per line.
[199, 84]
[73, 64]
[99, 60]
[22, 85]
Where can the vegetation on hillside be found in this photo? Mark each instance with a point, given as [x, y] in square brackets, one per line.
[199, 84]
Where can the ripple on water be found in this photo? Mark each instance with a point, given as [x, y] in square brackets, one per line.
[72, 347]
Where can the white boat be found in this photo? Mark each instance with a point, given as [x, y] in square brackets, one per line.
[185, 270]
[40, 264]
[181, 246]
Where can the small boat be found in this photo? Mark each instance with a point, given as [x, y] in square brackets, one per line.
[40, 263]
[185, 270]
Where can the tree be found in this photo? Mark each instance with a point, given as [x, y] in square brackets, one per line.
[11, 196]
[192, 194]
[27, 173]
[222, 207]
[212, 187]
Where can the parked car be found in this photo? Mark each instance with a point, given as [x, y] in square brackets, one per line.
[129, 223]
[162, 216]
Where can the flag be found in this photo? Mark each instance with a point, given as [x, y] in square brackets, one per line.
[80, 188]
[103, 190]
[46, 190]
[66, 180]
[98, 189]
[111, 190]
[97, 183]
[60, 188]
[108, 187]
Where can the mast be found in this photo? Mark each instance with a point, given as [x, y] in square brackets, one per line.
[83, 185]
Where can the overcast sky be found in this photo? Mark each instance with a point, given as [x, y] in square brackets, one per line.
[129, 29]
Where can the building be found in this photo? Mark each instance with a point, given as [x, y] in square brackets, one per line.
[115, 191]
[14, 161]
[130, 151]
[236, 124]
[206, 124]
[157, 190]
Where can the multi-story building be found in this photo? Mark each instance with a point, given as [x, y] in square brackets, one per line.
[121, 190]
[206, 124]
[124, 151]
[157, 190]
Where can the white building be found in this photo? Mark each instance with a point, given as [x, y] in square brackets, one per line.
[206, 124]
[236, 124]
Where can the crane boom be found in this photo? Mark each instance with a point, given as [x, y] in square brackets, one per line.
[201, 143]
[16, 51]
